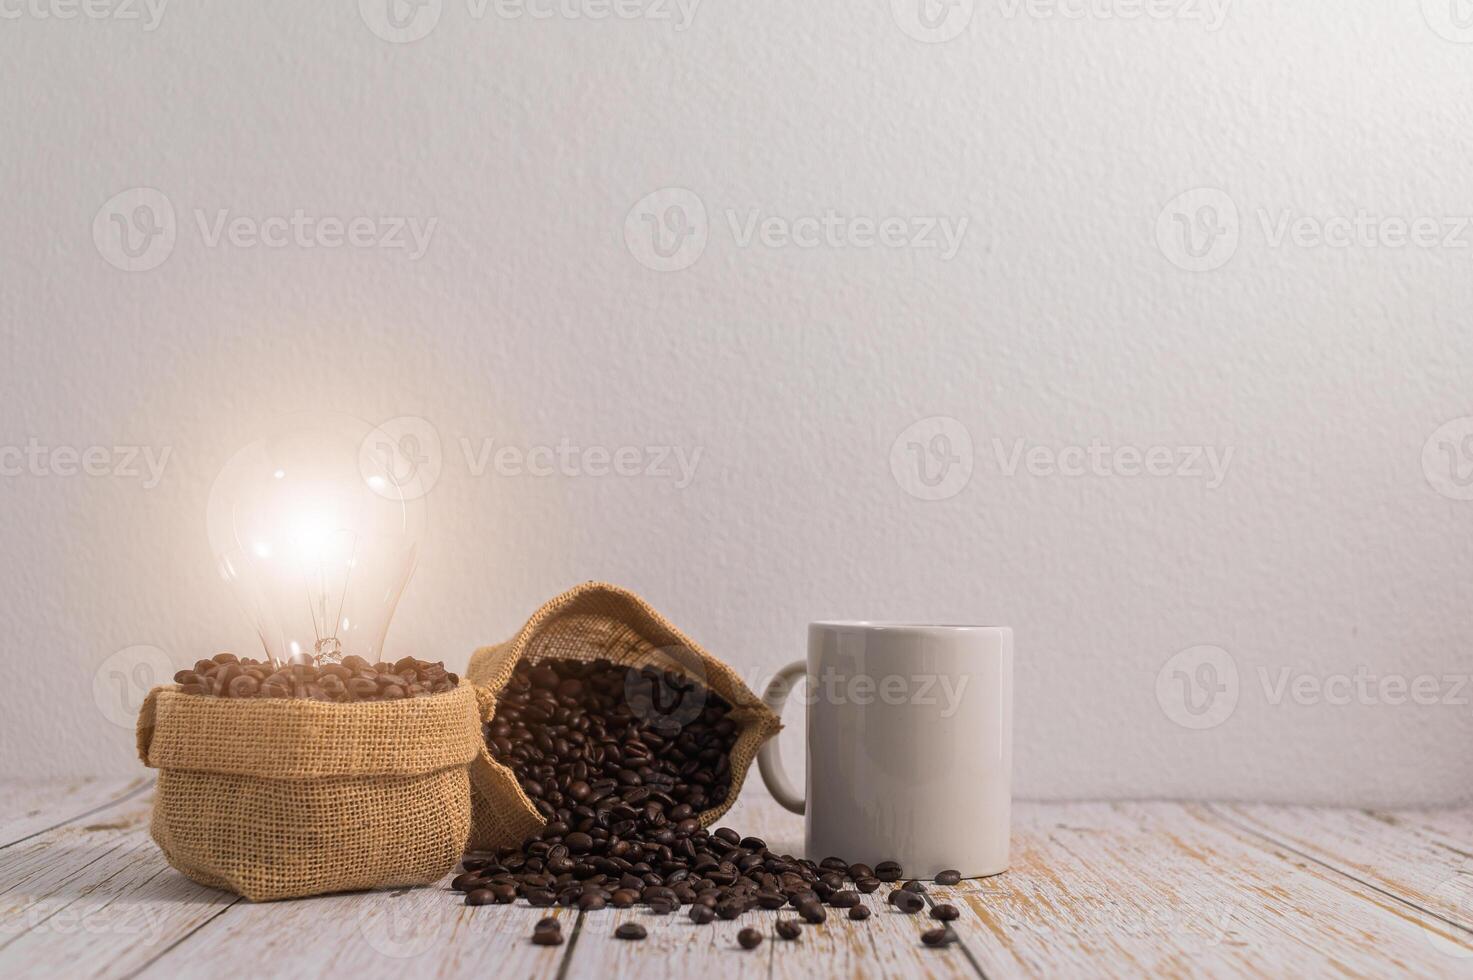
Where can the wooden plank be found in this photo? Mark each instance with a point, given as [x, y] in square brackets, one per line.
[420, 931]
[28, 809]
[95, 898]
[1423, 858]
[1168, 889]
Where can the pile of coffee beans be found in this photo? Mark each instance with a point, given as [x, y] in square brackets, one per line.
[621, 761]
[352, 679]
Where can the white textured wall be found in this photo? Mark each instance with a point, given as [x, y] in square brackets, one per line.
[1071, 311]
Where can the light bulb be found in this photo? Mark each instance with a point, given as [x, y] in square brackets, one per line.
[317, 527]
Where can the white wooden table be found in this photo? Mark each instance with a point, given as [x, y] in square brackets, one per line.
[1097, 889]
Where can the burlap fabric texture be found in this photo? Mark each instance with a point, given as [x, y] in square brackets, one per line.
[588, 622]
[281, 798]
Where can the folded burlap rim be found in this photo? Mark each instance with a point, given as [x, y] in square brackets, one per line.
[588, 622]
[293, 738]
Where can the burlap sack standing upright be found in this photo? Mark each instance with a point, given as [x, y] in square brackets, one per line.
[281, 798]
[587, 622]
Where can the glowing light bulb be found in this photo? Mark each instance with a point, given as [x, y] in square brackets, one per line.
[318, 535]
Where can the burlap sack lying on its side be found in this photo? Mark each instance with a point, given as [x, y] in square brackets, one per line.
[587, 622]
[281, 798]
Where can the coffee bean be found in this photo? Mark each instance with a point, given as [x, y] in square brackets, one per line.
[867, 886]
[591, 902]
[481, 896]
[771, 900]
[630, 930]
[948, 877]
[701, 914]
[467, 881]
[844, 899]
[547, 937]
[858, 871]
[914, 886]
[548, 922]
[305, 676]
[812, 912]
[941, 936]
[908, 902]
[788, 928]
[888, 871]
[859, 913]
[749, 938]
[946, 913]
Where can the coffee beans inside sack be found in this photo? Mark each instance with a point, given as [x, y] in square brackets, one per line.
[699, 729]
[300, 781]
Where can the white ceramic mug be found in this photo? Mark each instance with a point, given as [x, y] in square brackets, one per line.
[910, 745]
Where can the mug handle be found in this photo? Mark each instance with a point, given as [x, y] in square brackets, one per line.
[768, 761]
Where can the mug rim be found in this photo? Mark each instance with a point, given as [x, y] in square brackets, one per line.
[875, 625]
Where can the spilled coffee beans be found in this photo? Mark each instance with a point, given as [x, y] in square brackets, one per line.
[621, 762]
